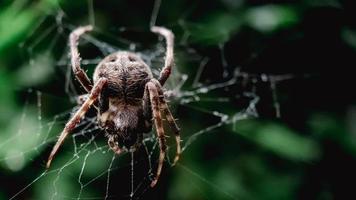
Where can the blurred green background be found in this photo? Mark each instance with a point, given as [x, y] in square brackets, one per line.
[280, 124]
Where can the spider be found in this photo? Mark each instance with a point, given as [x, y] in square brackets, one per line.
[126, 97]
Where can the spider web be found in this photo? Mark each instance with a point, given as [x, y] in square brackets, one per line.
[85, 168]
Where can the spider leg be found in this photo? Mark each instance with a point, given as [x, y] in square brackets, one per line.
[147, 112]
[137, 145]
[75, 57]
[81, 99]
[77, 117]
[174, 126]
[113, 144]
[171, 121]
[154, 98]
[169, 61]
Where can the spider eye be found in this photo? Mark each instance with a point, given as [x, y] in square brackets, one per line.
[113, 59]
[132, 59]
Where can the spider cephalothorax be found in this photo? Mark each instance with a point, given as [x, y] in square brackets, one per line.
[126, 96]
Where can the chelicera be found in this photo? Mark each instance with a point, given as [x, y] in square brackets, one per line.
[127, 97]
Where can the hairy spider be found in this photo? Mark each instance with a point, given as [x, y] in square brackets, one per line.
[126, 97]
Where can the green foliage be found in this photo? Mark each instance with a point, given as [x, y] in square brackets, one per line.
[16, 22]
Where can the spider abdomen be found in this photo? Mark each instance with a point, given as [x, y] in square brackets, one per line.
[123, 121]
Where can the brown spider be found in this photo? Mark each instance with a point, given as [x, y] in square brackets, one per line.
[126, 96]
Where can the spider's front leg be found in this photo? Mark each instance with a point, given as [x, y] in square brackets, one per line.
[77, 117]
[171, 121]
[169, 61]
[75, 57]
[81, 99]
[113, 144]
[152, 91]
